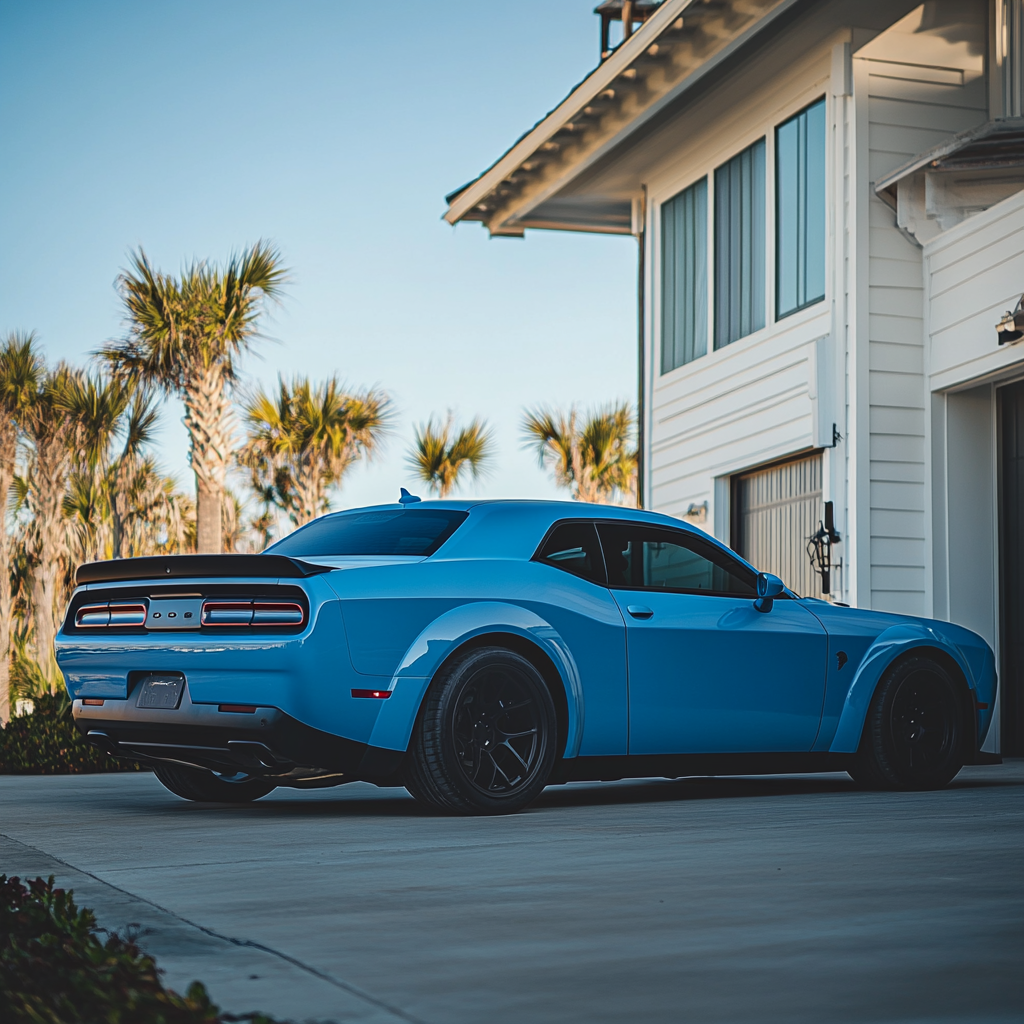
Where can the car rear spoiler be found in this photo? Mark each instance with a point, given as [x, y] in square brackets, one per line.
[162, 566]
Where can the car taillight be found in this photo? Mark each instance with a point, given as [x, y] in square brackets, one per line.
[277, 613]
[252, 613]
[98, 616]
[226, 613]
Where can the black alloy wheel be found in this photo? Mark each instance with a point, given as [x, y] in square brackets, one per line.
[485, 739]
[914, 733]
[208, 787]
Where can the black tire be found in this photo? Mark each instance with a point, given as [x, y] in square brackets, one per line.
[485, 739]
[914, 734]
[206, 787]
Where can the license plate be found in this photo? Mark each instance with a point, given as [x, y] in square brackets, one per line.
[174, 613]
[161, 692]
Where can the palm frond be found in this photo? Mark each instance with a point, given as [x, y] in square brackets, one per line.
[441, 457]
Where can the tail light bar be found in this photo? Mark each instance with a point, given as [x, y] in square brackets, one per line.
[112, 613]
[232, 614]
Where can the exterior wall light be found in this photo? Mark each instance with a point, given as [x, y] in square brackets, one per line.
[1011, 327]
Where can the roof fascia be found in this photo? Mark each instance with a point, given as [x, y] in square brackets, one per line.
[598, 80]
[660, 104]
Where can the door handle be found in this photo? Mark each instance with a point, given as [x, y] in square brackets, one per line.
[639, 611]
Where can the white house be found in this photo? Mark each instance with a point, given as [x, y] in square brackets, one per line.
[829, 201]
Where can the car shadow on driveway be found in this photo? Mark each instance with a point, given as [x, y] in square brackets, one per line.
[360, 800]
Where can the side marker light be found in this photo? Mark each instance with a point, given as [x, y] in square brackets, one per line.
[239, 709]
[96, 702]
[373, 694]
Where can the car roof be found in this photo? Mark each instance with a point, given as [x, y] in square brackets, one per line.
[559, 509]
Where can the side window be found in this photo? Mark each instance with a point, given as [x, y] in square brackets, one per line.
[574, 547]
[648, 558]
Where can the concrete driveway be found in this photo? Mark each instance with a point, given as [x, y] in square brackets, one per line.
[783, 899]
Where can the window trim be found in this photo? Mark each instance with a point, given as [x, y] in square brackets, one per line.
[779, 317]
[676, 590]
[540, 560]
[685, 173]
[607, 585]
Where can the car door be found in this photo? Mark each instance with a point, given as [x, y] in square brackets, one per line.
[707, 671]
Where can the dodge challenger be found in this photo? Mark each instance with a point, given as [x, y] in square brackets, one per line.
[478, 651]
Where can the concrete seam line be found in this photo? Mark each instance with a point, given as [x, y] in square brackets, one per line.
[345, 986]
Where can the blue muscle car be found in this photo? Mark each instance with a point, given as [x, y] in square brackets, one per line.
[476, 652]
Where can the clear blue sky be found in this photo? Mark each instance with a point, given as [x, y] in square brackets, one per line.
[335, 129]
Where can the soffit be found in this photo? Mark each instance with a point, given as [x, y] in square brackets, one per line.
[578, 168]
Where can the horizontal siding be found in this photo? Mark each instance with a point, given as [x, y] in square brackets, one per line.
[733, 409]
[975, 273]
[909, 110]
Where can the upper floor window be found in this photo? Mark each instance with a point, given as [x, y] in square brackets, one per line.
[684, 276]
[800, 210]
[739, 245]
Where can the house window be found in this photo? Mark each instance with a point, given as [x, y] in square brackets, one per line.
[684, 276]
[800, 210]
[739, 245]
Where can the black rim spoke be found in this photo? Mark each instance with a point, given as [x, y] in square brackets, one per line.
[497, 728]
[922, 724]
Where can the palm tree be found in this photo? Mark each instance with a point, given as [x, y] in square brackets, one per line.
[439, 456]
[20, 370]
[303, 439]
[596, 462]
[50, 433]
[184, 337]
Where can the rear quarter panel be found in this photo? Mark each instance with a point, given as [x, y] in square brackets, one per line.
[401, 623]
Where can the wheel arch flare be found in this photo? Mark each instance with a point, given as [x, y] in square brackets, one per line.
[977, 674]
[468, 625]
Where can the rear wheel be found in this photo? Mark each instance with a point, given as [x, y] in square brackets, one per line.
[914, 733]
[485, 739]
[207, 787]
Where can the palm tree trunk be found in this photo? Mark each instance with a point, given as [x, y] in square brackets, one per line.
[6, 602]
[209, 422]
[50, 476]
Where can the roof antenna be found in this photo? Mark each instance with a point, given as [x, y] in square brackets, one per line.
[406, 498]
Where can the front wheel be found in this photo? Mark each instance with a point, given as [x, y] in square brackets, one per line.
[914, 732]
[485, 739]
[206, 787]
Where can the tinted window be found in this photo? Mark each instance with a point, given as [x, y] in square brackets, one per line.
[684, 277]
[646, 558]
[392, 532]
[574, 547]
[739, 246]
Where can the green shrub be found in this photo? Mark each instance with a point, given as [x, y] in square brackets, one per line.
[47, 743]
[54, 969]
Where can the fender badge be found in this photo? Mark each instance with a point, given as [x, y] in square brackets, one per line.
[842, 659]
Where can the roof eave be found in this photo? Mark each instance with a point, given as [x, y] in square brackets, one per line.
[598, 80]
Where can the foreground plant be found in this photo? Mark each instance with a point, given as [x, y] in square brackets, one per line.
[55, 969]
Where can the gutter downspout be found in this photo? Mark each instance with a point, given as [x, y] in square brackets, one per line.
[641, 411]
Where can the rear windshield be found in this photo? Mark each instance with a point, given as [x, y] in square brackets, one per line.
[397, 532]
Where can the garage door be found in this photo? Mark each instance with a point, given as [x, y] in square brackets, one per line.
[775, 511]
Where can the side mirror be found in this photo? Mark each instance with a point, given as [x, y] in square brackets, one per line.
[768, 588]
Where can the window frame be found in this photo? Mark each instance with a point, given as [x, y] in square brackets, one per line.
[760, 143]
[595, 524]
[726, 556]
[684, 173]
[777, 251]
[540, 560]
[708, 311]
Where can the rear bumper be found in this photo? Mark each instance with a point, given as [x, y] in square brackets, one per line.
[266, 742]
